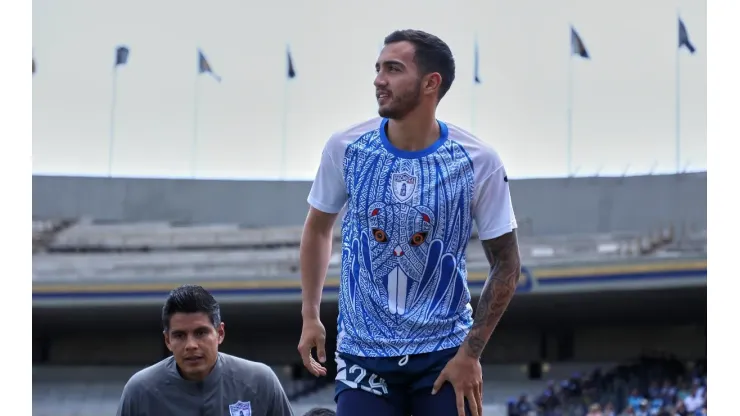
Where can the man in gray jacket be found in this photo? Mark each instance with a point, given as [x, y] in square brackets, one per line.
[197, 380]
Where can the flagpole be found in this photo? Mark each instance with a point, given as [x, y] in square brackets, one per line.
[569, 109]
[284, 148]
[111, 137]
[678, 104]
[194, 146]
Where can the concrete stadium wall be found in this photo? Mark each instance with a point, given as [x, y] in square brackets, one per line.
[543, 206]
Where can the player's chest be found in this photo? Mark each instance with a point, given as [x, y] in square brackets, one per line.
[418, 181]
[226, 401]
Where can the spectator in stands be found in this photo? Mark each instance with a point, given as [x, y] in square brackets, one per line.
[511, 407]
[680, 409]
[615, 383]
[629, 411]
[197, 375]
[548, 402]
[694, 401]
[595, 410]
[683, 390]
[523, 406]
[654, 390]
[609, 410]
[698, 369]
[575, 385]
[668, 392]
[656, 405]
[635, 399]
[589, 388]
[643, 408]
[699, 384]
[320, 411]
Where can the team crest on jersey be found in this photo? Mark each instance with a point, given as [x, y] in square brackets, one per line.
[403, 185]
[240, 409]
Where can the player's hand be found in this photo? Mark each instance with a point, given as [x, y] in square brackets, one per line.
[313, 336]
[466, 376]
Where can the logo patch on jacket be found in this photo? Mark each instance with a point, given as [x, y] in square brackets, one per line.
[240, 409]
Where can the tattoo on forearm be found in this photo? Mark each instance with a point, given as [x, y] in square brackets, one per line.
[503, 256]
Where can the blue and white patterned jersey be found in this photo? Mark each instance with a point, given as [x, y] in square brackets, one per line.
[403, 286]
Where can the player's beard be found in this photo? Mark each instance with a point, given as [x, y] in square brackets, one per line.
[401, 105]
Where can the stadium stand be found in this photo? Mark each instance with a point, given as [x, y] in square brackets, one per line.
[85, 250]
[63, 391]
[654, 384]
[43, 232]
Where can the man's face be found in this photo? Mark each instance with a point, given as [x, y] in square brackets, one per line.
[398, 87]
[194, 341]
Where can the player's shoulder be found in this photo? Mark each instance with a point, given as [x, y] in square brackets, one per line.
[256, 371]
[481, 153]
[146, 378]
[345, 136]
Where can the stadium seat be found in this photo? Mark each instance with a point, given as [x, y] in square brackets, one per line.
[109, 252]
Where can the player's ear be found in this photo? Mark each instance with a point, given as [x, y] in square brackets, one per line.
[167, 340]
[221, 332]
[432, 83]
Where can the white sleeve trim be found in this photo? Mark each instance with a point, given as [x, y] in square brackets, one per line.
[497, 232]
[322, 207]
[328, 191]
[493, 211]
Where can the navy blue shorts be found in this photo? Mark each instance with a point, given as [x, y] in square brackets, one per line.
[393, 386]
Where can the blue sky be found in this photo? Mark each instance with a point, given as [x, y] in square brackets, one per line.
[624, 99]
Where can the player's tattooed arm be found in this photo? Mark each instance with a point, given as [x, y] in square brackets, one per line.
[503, 256]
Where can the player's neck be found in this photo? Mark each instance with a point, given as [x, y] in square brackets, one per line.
[417, 131]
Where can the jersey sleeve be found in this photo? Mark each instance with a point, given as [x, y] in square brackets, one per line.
[128, 405]
[280, 405]
[329, 192]
[492, 208]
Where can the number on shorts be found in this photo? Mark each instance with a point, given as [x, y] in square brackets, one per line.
[374, 384]
[377, 385]
[361, 374]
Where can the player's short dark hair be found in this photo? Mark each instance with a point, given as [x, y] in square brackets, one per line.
[190, 299]
[320, 411]
[431, 54]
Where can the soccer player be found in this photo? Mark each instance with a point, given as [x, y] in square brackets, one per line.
[413, 185]
[197, 379]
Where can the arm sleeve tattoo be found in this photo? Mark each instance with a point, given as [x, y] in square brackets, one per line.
[503, 256]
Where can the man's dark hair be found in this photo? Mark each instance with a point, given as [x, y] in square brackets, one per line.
[190, 299]
[320, 411]
[431, 54]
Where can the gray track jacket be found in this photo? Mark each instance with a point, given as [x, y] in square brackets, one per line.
[235, 387]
